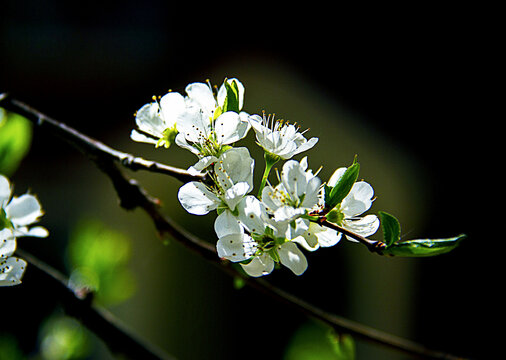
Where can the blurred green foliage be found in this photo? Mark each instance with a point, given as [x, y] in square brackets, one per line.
[314, 342]
[9, 349]
[99, 258]
[15, 141]
[63, 338]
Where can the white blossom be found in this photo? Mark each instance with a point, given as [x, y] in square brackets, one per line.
[233, 179]
[279, 138]
[358, 201]
[16, 215]
[297, 194]
[272, 244]
[208, 126]
[156, 121]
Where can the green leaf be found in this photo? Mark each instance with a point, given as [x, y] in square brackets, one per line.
[391, 228]
[343, 186]
[423, 247]
[232, 100]
[15, 140]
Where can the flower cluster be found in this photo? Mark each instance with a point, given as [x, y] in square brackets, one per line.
[262, 231]
[16, 215]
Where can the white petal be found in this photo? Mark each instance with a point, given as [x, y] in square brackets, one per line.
[11, 271]
[365, 226]
[7, 248]
[291, 257]
[334, 179]
[269, 197]
[6, 234]
[235, 194]
[181, 142]
[309, 239]
[203, 164]
[23, 210]
[197, 199]
[259, 266]
[236, 247]
[327, 237]
[294, 179]
[311, 197]
[297, 228]
[5, 190]
[235, 166]
[202, 95]
[288, 214]
[195, 125]
[37, 231]
[230, 128]
[253, 215]
[139, 137]
[172, 106]
[306, 146]
[148, 120]
[256, 123]
[226, 223]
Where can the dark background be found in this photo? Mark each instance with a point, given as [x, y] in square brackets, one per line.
[420, 78]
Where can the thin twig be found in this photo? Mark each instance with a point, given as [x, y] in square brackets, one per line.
[98, 320]
[131, 195]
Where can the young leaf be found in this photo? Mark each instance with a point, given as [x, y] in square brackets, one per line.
[391, 228]
[15, 140]
[343, 186]
[423, 247]
[232, 99]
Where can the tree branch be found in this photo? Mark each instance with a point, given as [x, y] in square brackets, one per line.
[131, 195]
[98, 320]
[91, 147]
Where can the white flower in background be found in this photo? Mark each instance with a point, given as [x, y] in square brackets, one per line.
[233, 179]
[358, 201]
[279, 138]
[156, 121]
[272, 246]
[212, 122]
[20, 212]
[16, 215]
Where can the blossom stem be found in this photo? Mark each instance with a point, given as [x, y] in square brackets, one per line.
[372, 245]
[270, 160]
